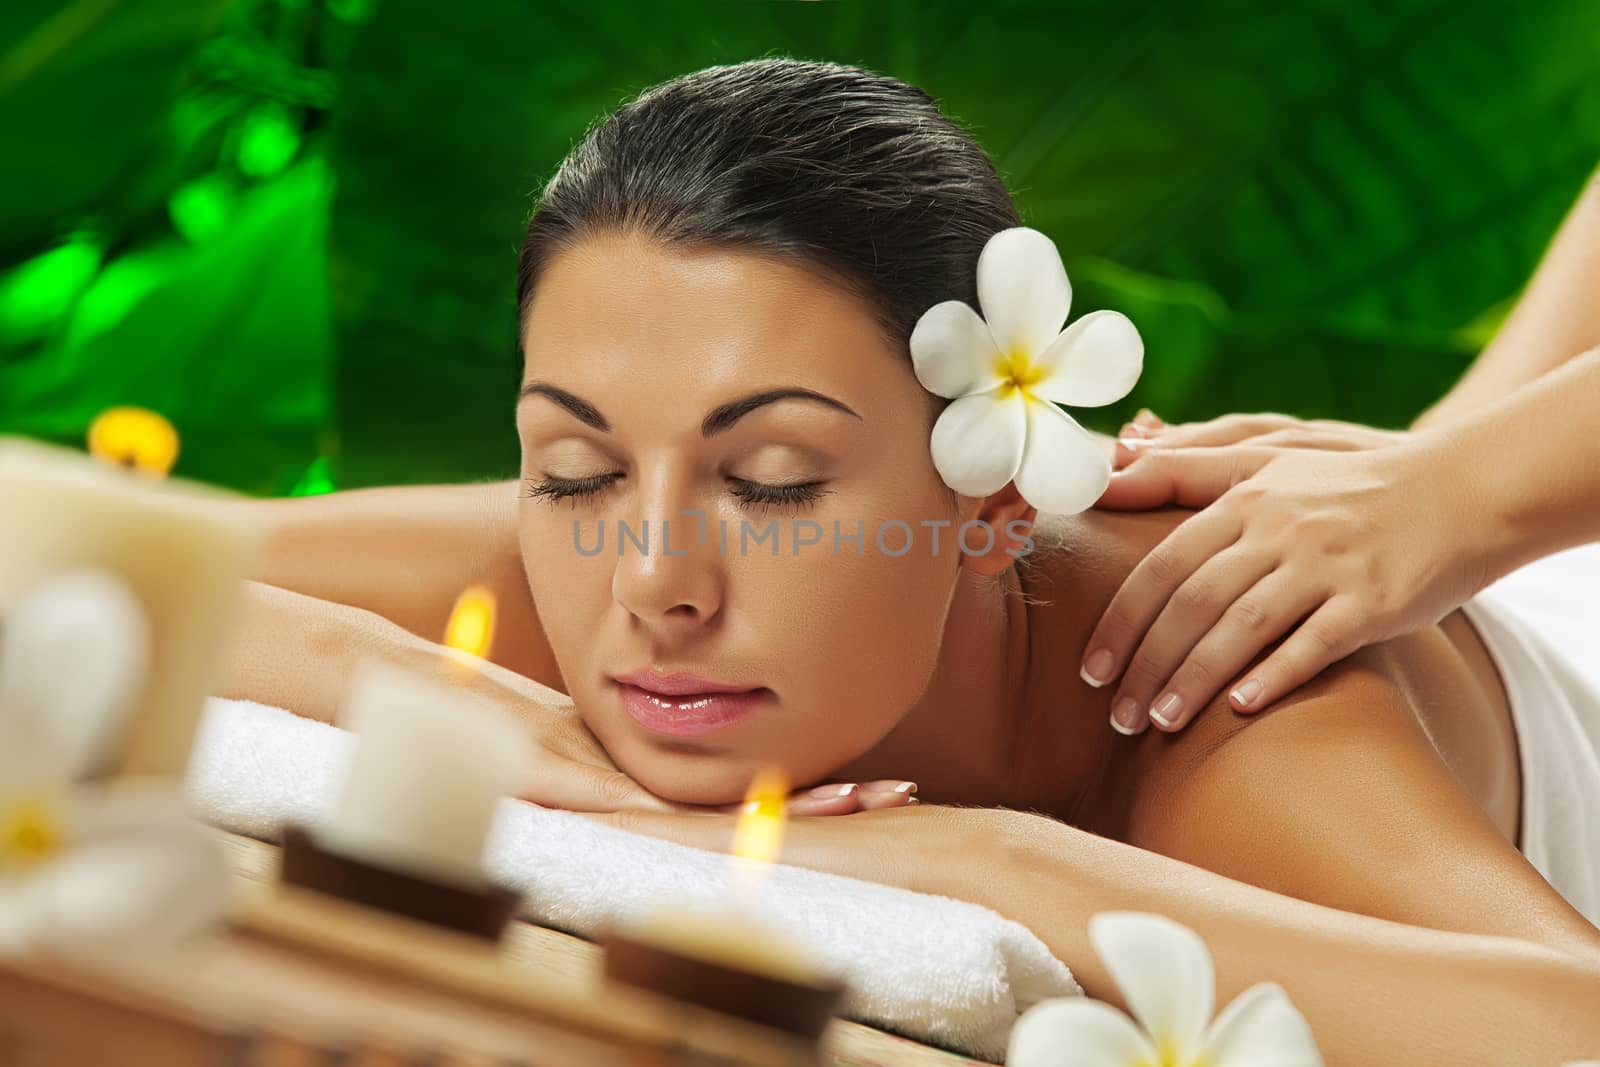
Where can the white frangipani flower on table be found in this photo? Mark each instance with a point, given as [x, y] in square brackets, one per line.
[1007, 371]
[106, 867]
[1164, 972]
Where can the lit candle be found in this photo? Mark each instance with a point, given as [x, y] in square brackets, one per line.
[725, 933]
[184, 557]
[431, 763]
[720, 955]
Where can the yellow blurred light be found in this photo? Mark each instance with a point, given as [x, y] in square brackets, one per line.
[135, 438]
[471, 626]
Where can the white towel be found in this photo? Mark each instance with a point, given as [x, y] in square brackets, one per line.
[944, 972]
[1543, 633]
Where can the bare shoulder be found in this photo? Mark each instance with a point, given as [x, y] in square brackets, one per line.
[1336, 795]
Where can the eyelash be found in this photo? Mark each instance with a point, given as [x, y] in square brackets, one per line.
[750, 494]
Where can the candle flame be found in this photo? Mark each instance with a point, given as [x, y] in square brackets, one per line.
[759, 832]
[135, 438]
[471, 626]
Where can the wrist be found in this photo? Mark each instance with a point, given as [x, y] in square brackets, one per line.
[1460, 511]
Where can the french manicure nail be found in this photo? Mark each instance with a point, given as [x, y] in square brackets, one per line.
[1096, 669]
[1165, 710]
[1246, 694]
[828, 792]
[1125, 716]
[1135, 444]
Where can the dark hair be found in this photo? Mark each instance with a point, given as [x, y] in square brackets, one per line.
[853, 172]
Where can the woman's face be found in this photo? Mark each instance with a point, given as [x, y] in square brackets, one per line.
[839, 637]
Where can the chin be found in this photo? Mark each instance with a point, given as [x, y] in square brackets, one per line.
[685, 777]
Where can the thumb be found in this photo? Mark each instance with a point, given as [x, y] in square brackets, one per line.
[1190, 477]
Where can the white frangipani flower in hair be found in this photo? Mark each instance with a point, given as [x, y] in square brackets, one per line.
[1164, 972]
[105, 867]
[1008, 370]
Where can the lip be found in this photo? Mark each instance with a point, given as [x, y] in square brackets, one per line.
[685, 705]
[679, 683]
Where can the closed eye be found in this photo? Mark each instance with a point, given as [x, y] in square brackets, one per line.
[750, 494]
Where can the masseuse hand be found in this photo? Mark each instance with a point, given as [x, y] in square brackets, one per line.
[1335, 534]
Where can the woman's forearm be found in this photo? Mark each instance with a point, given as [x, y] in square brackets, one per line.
[1555, 318]
[1524, 473]
[405, 553]
[295, 651]
[1374, 991]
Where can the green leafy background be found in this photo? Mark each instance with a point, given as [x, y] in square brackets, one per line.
[291, 225]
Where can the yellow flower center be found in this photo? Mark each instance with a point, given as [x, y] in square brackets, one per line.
[1167, 1056]
[30, 832]
[1017, 370]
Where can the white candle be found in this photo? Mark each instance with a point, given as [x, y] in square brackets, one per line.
[183, 554]
[725, 934]
[430, 765]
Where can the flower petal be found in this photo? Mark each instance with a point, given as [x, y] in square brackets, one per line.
[952, 352]
[1261, 1028]
[73, 658]
[1063, 469]
[978, 441]
[1076, 1031]
[1164, 972]
[19, 906]
[1023, 290]
[142, 873]
[1094, 362]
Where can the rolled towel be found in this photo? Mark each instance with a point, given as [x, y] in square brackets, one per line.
[944, 972]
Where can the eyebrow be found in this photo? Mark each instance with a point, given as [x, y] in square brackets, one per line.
[718, 420]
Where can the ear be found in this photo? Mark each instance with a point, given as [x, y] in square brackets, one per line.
[1006, 516]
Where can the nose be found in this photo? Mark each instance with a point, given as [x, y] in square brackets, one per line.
[668, 574]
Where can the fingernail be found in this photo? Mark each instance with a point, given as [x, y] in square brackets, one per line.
[1148, 417]
[912, 801]
[1134, 429]
[1125, 716]
[828, 792]
[1246, 694]
[1135, 444]
[897, 787]
[1096, 669]
[1165, 710]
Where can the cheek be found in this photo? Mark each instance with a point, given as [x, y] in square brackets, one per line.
[545, 535]
[863, 637]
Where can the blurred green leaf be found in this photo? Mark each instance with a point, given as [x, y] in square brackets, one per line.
[230, 339]
[85, 88]
[1302, 206]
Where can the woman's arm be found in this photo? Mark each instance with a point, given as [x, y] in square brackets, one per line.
[1375, 991]
[1555, 318]
[405, 553]
[1351, 868]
